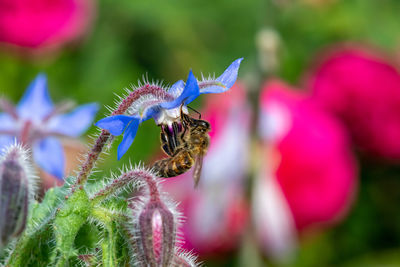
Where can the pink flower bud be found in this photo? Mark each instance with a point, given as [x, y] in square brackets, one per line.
[16, 192]
[154, 221]
[184, 259]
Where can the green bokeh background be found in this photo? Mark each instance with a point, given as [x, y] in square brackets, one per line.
[164, 39]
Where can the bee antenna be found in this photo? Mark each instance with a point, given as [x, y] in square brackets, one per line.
[192, 109]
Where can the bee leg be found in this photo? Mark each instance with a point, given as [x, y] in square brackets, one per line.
[198, 113]
[181, 110]
[163, 137]
[184, 118]
[176, 132]
[166, 149]
[184, 131]
[165, 145]
[171, 137]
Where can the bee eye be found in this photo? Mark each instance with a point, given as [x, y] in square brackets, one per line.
[205, 124]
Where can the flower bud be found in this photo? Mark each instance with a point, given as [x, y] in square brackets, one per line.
[185, 259]
[154, 221]
[16, 192]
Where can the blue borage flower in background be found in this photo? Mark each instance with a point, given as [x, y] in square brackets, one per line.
[163, 104]
[36, 122]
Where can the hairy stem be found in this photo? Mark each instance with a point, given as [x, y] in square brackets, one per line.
[107, 218]
[26, 246]
[62, 262]
[92, 157]
[25, 133]
[68, 222]
[123, 181]
[9, 108]
[108, 247]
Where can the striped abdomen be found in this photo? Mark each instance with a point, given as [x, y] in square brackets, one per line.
[171, 167]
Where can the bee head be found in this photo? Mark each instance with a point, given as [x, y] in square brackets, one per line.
[205, 125]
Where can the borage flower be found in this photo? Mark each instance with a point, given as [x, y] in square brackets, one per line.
[35, 122]
[163, 105]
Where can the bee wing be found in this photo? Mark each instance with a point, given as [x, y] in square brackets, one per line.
[198, 165]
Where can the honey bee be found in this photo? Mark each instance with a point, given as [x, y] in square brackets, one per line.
[185, 144]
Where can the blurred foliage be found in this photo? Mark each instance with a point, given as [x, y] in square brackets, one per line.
[164, 39]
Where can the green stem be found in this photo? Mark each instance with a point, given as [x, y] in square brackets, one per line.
[107, 218]
[62, 262]
[25, 247]
[18, 255]
[123, 181]
[67, 223]
[108, 247]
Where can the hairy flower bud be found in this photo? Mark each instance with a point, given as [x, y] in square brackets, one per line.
[154, 221]
[16, 192]
[185, 259]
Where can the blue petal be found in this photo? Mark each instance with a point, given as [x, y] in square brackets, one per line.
[225, 81]
[151, 112]
[177, 88]
[6, 140]
[129, 136]
[228, 78]
[115, 124]
[76, 122]
[36, 102]
[7, 123]
[189, 93]
[49, 155]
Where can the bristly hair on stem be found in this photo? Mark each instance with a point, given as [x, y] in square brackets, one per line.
[125, 182]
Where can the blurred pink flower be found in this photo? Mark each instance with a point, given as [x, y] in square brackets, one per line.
[216, 212]
[308, 173]
[43, 24]
[362, 89]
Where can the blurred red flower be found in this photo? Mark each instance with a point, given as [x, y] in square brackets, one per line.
[308, 174]
[362, 89]
[43, 24]
[216, 212]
